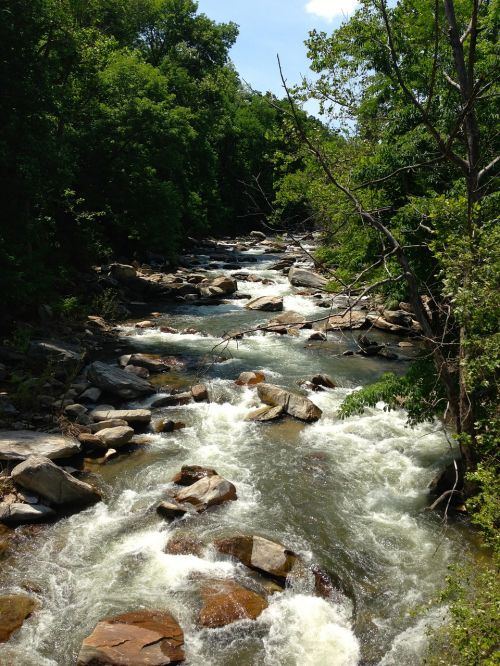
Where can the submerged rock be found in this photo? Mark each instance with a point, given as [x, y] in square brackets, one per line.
[141, 638]
[14, 609]
[41, 476]
[116, 381]
[183, 544]
[295, 405]
[20, 444]
[225, 602]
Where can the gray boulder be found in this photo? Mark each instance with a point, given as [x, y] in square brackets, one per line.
[20, 444]
[208, 491]
[107, 413]
[266, 303]
[295, 405]
[18, 513]
[301, 277]
[116, 381]
[115, 437]
[41, 476]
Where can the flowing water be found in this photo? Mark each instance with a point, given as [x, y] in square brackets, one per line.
[347, 495]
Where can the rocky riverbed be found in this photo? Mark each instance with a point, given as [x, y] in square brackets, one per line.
[182, 490]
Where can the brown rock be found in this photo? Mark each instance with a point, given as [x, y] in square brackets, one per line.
[190, 474]
[14, 609]
[199, 393]
[224, 602]
[323, 380]
[266, 304]
[227, 284]
[137, 371]
[171, 510]
[183, 544]
[250, 378]
[142, 638]
[264, 414]
[209, 491]
[115, 437]
[261, 554]
[295, 405]
[350, 321]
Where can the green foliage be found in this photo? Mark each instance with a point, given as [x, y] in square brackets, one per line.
[107, 305]
[417, 391]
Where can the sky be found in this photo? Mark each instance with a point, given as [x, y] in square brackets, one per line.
[268, 27]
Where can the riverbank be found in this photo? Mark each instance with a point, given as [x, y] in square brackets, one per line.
[347, 498]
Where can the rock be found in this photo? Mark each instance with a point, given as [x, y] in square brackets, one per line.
[91, 394]
[145, 324]
[199, 393]
[59, 353]
[164, 400]
[183, 544]
[225, 602]
[398, 317]
[172, 510]
[18, 513]
[284, 263]
[117, 382]
[266, 304]
[169, 329]
[323, 380]
[368, 347]
[388, 354]
[75, 410]
[449, 479]
[317, 336]
[295, 405]
[190, 474]
[14, 609]
[102, 413]
[140, 638]
[265, 414]
[123, 272]
[260, 235]
[300, 277]
[151, 362]
[41, 476]
[89, 440]
[250, 378]
[263, 555]
[137, 371]
[19, 444]
[226, 284]
[115, 437]
[377, 321]
[109, 423]
[290, 319]
[209, 491]
[350, 321]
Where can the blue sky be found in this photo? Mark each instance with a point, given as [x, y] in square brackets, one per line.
[268, 27]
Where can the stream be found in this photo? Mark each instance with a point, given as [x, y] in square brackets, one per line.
[346, 495]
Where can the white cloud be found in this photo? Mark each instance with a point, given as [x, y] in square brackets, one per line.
[329, 9]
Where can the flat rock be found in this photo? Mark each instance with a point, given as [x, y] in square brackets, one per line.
[116, 381]
[14, 609]
[19, 513]
[301, 277]
[350, 321]
[173, 400]
[190, 474]
[266, 303]
[128, 415]
[290, 319]
[267, 557]
[297, 406]
[264, 414]
[225, 602]
[141, 638]
[151, 362]
[208, 491]
[41, 476]
[20, 444]
[115, 437]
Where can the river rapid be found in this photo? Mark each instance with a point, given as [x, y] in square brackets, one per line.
[347, 495]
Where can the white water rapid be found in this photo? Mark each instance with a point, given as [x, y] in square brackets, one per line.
[349, 496]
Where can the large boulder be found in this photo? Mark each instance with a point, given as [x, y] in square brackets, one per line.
[115, 437]
[19, 513]
[116, 381]
[151, 362]
[103, 413]
[225, 602]
[123, 272]
[290, 319]
[260, 235]
[295, 405]
[301, 277]
[190, 474]
[264, 414]
[20, 444]
[200, 393]
[353, 319]
[226, 284]
[266, 304]
[250, 378]
[268, 557]
[14, 609]
[141, 638]
[41, 476]
[208, 491]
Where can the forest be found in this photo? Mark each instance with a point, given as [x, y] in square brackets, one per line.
[127, 135]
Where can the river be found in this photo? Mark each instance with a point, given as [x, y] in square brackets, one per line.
[347, 495]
